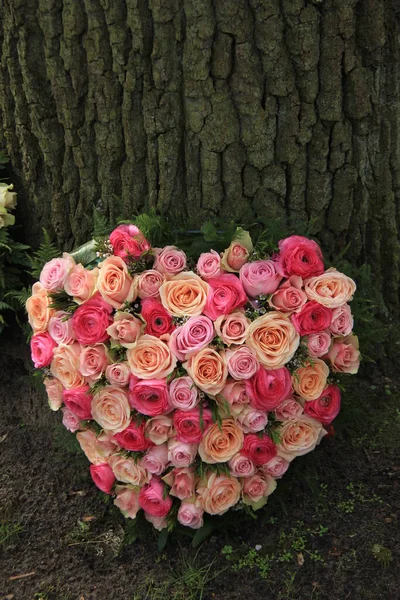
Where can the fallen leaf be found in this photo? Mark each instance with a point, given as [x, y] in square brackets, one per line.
[78, 493]
[300, 559]
[87, 519]
[22, 576]
[2, 438]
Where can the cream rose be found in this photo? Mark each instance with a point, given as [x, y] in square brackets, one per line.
[114, 282]
[221, 442]
[54, 391]
[38, 308]
[97, 450]
[126, 329]
[274, 339]
[208, 369]
[184, 295]
[128, 470]
[218, 494]
[110, 409]
[65, 365]
[332, 288]
[299, 436]
[151, 358]
[309, 381]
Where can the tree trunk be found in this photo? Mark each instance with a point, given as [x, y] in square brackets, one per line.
[287, 109]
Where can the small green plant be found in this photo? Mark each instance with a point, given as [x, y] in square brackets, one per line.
[9, 531]
[382, 555]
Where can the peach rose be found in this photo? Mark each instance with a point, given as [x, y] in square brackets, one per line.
[232, 329]
[81, 283]
[159, 429]
[149, 283]
[151, 358]
[93, 361]
[127, 501]
[208, 369]
[114, 282]
[309, 381]
[332, 288]
[221, 442]
[126, 329]
[344, 355]
[110, 408]
[128, 470]
[218, 493]
[274, 339]
[38, 308]
[96, 449]
[299, 436]
[65, 365]
[238, 252]
[184, 295]
[54, 390]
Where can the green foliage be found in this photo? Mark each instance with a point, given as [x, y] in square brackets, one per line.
[13, 261]
[383, 555]
[46, 252]
[8, 531]
[101, 225]
[3, 159]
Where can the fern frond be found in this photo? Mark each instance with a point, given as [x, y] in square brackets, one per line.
[101, 226]
[46, 251]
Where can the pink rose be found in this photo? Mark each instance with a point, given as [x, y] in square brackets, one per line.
[153, 500]
[190, 515]
[158, 320]
[42, 350]
[149, 283]
[150, 397]
[318, 344]
[252, 420]
[55, 273]
[299, 256]
[182, 482]
[156, 459]
[133, 438]
[259, 277]
[127, 501]
[118, 374]
[241, 466]
[125, 329]
[70, 420]
[183, 393]
[256, 489]
[114, 283]
[325, 408]
[209, 265]
[158, 523]
[344, 355]
[313, 318]
[128, 242]
[60, 328]
[91, 319]
[235, 394]
[276, 467]
[289, 297]
[159, 429]
[266, 389]
[190, 425]
[181, 454]
[79, 401]
[342, 321]
[232, 329]
[288, 409]
[93, 361]
[96, 449]
[170, 260]
[54, 390]
[226, 294]
[191, 337]
[81, 283]
[103, 477]
[258, 448]
[242, 362]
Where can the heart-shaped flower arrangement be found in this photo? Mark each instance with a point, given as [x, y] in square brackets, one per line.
[191, 390]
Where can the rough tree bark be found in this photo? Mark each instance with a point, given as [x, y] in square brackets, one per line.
[286, 108]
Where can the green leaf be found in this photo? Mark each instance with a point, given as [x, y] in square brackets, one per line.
[203, 533]
[162, 539]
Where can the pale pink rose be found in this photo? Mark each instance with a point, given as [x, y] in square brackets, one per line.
[209, 265]
[159, 523]
[70, 420]
[128, 470]
[182, 482]
[55, 272]
[183, 394]
[276, 467]
[238, 253]
[235, 394]
[259, 277]
[289, 297]
[151, 358]
[318, 343]
[232, 328]
[127, 500]
[149, 283]
[38, 308]
[344, 355]
[208, 369]
[332, 288]
[252, 420]
[191, 337]
[299, 436]
[81, 283]
[54, 390]
[241, 466]
[126, 329]
[169, 260]
[342, 321]
[216, 494]
[114, 282]
[156, 459]
[110, 408]
[118, 374]
[159, 429]
[60, 328]
[288, 409]
[96, 449]
[190, 515]
[181, 454]
[93, 361]
[65, 365]
[242, 362]
[257, 488]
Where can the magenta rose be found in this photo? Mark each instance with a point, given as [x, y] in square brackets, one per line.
[342, 321]
[155, 460]
[288, 409]
[60, 328]
[183, 393]
[266, 389]
[103, 477]
[226, 294]
[42, 349]
[70, 420]
[190, 515]
[318, 344]
[209, 265]
[158, 320]
[79, 401]
[276, 467]
[299, 256]
[259, 449]
[149, 283]
[312, 318]
[252, 420]
[181, 454]
[344, 355]
[190, 425]
[241, 466]
[91, 319]
[153, 500]
[170, 260]
[289, 297]
[150, 397]
[128, 242]
[259, 277]
[242, 362]
[133, 438]
[191, 337]
[325, 408]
